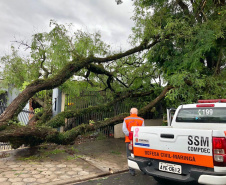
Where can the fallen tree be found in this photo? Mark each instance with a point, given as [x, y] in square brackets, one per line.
[67, 72]
[33, 135]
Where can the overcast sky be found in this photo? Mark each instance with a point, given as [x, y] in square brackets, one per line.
[22, 18]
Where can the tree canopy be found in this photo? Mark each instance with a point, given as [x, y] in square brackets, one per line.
[177, 53]
[193, 58]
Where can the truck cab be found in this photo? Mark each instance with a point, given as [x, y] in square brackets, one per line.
[192, 148]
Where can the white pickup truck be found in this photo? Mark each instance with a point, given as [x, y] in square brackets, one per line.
[192, 148]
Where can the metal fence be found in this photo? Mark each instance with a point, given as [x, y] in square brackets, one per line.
[94, 99]
[88, 100]
[5, 146]
[24, 116]
[86, 118]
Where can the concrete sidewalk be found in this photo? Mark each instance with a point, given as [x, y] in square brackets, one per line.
[15, 172]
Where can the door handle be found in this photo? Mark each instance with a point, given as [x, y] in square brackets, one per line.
[168, 136]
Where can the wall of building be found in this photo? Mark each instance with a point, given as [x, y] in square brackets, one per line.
[12, 94]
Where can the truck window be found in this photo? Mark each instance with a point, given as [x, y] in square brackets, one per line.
[202, 115]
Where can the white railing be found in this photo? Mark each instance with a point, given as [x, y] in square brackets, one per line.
[5, 146]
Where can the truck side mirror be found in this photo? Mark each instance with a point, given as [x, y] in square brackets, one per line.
[170, 114]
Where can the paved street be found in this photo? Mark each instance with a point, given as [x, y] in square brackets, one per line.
[126, 179]
[122, 179]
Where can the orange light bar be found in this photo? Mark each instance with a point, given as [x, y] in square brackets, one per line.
[212, 101]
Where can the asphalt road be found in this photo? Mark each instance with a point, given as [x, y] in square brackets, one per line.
[126, 179]
[122, 179]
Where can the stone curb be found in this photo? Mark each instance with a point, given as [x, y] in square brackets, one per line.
[96, 164]
[91, 162]
[88, 177]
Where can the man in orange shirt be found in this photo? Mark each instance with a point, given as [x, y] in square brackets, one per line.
[132, 120]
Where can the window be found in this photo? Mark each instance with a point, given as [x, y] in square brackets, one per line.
[202, 115]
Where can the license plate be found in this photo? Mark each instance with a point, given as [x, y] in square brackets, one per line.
[172, 168]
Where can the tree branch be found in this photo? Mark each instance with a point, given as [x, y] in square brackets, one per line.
[39, 101]
[22, 43]
[144, 45]
[42, 65]
[99, 69]
[183, 6]
[200, 10]
[156, 100]
[122, 83]
[220, 55]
